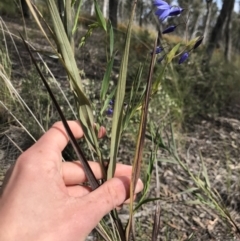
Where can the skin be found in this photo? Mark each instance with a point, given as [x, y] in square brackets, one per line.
[41, 198]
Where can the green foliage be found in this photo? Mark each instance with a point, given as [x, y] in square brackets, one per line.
[5, 72]
[34, 94]
[199, 90]
[140, 49]
[7, 7]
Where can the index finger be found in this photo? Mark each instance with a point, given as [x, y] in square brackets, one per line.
[57, 138]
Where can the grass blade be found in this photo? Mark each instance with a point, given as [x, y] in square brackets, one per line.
[84, 108]
[106, 79]
[119, 100]
[172, 53]
[76, 20]
[156, 224]
[111, 39]
[100, 17]
[140, 144]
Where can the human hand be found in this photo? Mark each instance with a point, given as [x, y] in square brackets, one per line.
[41, 198]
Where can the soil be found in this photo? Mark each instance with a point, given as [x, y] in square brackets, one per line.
[215, 139]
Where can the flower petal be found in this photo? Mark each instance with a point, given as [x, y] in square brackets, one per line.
[169, 29]
[164, 7]
[164, 15]
[159, 3]
[159, 12]
[176, 11]
[183, 57]
[109, 112]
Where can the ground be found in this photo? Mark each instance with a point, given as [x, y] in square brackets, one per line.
[216, 139]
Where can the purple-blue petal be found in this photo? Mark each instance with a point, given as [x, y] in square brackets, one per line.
[164, 15]
[169, 29]
[109, 111]
[183, 57]
[159, 2]
[176, 11]
[158, 50]
[159, 12]
[164, 7]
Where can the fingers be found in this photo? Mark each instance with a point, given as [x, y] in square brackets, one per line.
[73, 172]
[78, 191]
[56, 137]
[101, 132]
[50, 145]
[110, 195]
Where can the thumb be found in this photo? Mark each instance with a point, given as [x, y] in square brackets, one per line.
[94, 206]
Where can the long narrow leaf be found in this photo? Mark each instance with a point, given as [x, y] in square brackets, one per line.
[106, 79]
[140, 144]
[84, 108]
[111, 39]
[100, 17]
[156, 223]
[76, 20]
[119, 100]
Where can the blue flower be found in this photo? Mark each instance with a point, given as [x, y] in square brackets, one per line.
[159, 2]
[158, 50]
[111, 102]
[169, 29]
[165, 10]
[163, 13]
[109, 112]
[176, 11]
[183, 57]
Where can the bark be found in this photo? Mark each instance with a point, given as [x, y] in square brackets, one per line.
[92, 10]
[105, 8]
[214, 38]
[141, 13]
[121, 6]
[228, 37]
[195, 29]
[208, 20]
[113, 10]
[25, 9]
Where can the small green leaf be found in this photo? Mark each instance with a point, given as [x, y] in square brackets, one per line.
[172, 53]
[106, 79]
[76, 19]
[107, 100]
[147, 181]
[204, 172]
[111, 39]
[100, 17]
[192, 42]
